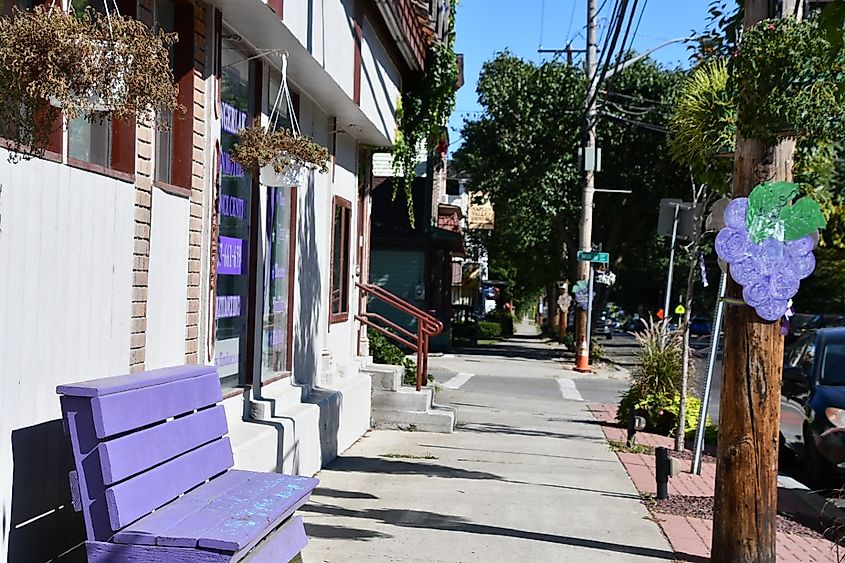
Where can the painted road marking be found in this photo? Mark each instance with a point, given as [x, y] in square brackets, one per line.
[568, 390]
[458, 381]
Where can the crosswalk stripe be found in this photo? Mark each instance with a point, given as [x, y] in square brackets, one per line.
[458, 381]
[568, 389]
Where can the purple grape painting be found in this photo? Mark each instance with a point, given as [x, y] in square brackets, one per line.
[768, 244]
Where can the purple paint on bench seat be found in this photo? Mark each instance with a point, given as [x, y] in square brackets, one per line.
[280, 546]
[102, 552]
[236, 519]
[140, 495]
[119, 384]
[121, 412]
[138, 451]
[148, 528]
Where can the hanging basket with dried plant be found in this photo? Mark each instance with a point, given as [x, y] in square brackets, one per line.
[281, 156]
[80, 64]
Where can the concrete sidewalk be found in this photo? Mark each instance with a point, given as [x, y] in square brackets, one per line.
[522, 479]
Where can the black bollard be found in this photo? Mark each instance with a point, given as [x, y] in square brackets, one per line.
[663, 467]
[632, 429]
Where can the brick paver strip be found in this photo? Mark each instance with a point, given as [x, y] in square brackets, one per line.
[690, 537]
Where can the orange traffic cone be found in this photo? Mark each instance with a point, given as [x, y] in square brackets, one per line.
[583, 362]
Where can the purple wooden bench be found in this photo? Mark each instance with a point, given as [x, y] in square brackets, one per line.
[154, 477]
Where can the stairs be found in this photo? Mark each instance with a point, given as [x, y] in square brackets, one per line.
[400, 407]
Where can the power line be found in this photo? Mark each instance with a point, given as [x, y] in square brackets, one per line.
[571, 19]
[643, 124]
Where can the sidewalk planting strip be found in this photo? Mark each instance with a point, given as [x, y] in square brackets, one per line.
[690, 536]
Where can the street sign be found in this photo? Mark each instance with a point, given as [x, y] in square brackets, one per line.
[680, 310]
[600, 257]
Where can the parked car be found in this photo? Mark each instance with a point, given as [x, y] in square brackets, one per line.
[464, 324]
[812, 419]
[700, 326]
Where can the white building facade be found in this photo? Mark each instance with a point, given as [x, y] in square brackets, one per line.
[128, 249]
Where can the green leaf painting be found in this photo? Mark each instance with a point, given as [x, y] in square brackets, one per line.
[764, 209]
[801, 219]
[771, 213]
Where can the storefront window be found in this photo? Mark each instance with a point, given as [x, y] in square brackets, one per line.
[277, 281]
[234, 219]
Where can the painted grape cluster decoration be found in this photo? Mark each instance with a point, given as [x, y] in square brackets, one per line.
[768, 244]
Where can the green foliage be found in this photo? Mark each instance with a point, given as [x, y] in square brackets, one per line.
[522, 153]
[569, 341]
[597, 352]
[703, 124]
[385, 352]
[504, 319]
[655, 382]
[425, 107]
[786, 81]
[489, 330]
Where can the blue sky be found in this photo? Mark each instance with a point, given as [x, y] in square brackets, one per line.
[485, 27]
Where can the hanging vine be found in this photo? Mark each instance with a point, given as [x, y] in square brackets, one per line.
[424, 109]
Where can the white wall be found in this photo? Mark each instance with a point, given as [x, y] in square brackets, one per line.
[380, 83]
[167, 302]
[66, 242]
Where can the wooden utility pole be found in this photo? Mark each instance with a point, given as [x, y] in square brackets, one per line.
[745, 511]
[585, 238]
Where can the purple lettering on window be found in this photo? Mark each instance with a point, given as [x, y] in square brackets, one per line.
[228, 306]
[230, 256]
[229, 168]
[231, 206]
[232, 119]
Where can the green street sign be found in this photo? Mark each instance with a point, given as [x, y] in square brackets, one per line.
[600, 257]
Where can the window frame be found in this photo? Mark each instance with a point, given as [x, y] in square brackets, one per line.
[123, 133]
[182, 130]
[346, 219]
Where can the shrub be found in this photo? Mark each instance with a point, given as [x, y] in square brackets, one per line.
[786, 81]
[504, 319]
[488, 330]
[654, 391]
[569, 341]
[597, 352]
[385, 352]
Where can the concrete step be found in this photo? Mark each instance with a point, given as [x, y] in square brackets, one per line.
[403, 399]
[435, 419]
[385, 377]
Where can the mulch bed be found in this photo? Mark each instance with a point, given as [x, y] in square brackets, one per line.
[702, 507]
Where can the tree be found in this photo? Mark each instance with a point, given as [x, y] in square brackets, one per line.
[522, 152]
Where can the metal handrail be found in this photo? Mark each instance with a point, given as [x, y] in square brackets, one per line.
[427, 325]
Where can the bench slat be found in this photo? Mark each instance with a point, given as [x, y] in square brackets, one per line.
[147, 529]
[116, 413]
[140, 495]
[238, 517]
[242, 515]
[282, 545]
[133, 453]
[262, 513]
[120, 383]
